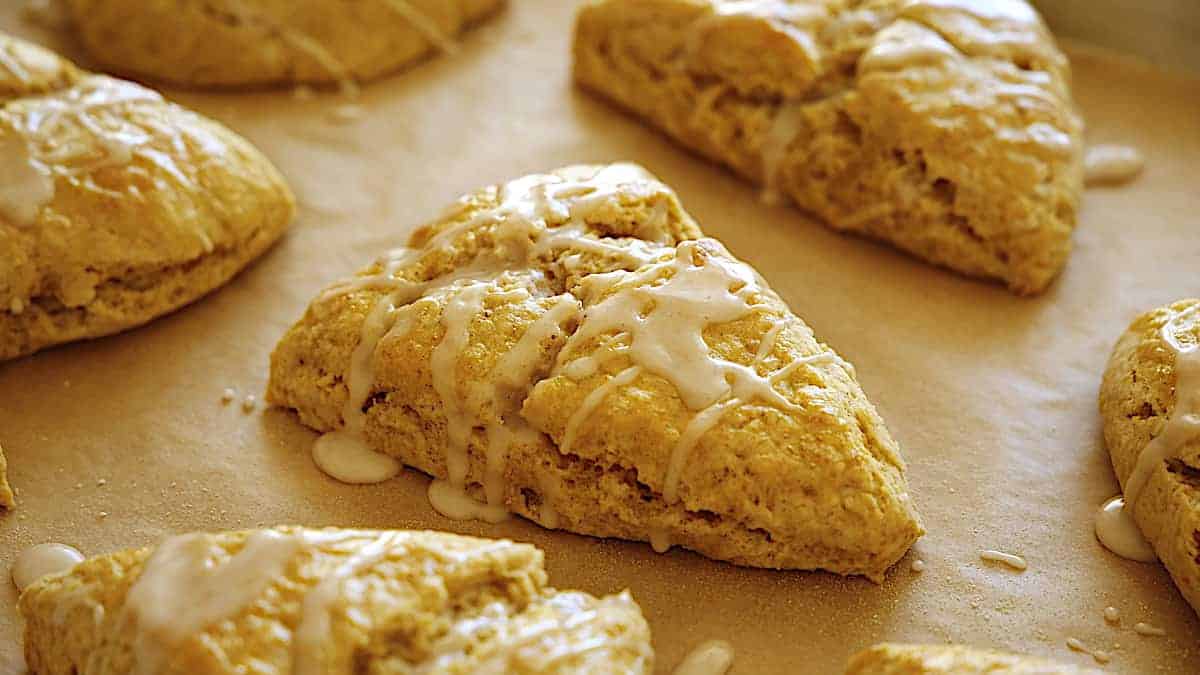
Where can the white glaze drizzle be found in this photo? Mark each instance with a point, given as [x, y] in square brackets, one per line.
[1077, 645]
[1111, 164]
[1148, 630]
[714, 657]
[41, 560]
[72, 133]
[190, 582]
[1112, 614]
[1120, 534]
[521, 227]
[424, 24]
[785, 127]
[1116, 527]
[1014, 561]
[314, 630]
[570, 627]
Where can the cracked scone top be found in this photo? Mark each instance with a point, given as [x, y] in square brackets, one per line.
[262, 42]
[902, 659]
[295, 601]
[568, 348]
[944, 127]
[1150, 407]
[115, 205]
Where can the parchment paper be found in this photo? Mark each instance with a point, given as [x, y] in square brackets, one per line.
[992, 397]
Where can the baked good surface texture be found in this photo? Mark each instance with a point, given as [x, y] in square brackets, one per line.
[7, 500]
[944, 127]
[904, 659]
[1150, 406]
[570, 348]
[231, 43]
[116, 206]
[301, 601]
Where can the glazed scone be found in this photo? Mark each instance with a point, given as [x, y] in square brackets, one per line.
[569, 348]
[7, 500]
[944, 127]
[117, 207]
[1150, 406]
[230, 43]
[296, 601]
[899, 659]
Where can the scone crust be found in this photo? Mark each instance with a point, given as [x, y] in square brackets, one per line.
[224, 43]
[121, 244]
[27, 69]
[738, 493]
[902, 659]
[424, 584]
[971, 160]
[7, 500]
[1137, 396]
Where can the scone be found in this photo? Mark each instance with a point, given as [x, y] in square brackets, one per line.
[568, 347]
[7, 501]
[944, 127]
[115, 205]
[1150, 406]
[229, 43]
[294, 601]
[898, 659]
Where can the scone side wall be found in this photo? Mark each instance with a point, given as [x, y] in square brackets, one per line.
[610, 483]
[1137, 395]
[194, 43]
[878, 153]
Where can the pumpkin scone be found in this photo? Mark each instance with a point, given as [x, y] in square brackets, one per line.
[7, 500]
[235, 43]
[295, 601]
[902, 659]
[1150, 405]
[944, 127]
[117, 206]
[568, 347]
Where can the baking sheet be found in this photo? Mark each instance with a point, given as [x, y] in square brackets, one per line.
[992, 397]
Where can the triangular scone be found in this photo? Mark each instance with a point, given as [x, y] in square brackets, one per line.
[1150, 405]
[293, 601]
[117, 206]
[7, 501]
[898, 659]
[233, 43]
[564, 347]
[944, 127]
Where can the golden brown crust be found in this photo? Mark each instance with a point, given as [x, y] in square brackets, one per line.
[234, 43]
[118, 240]
[819, 486]
[900, 659]
[28, 70]
[966, 154]
[1137, 396]
[7, 500]
[423, 587]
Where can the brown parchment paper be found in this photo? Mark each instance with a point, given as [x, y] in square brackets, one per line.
[992, 397]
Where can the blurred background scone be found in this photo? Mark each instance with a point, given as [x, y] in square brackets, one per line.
[233, 43]
[900, 659]
[117, 206]
[295, 601]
